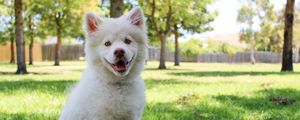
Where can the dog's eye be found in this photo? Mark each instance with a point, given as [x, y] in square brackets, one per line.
[127, 41]
[107, 43]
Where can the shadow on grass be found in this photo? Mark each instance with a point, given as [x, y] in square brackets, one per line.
[256, 106]
[167, 82]
[169, 111]
[261, 103]
[30, 73]
[169, 69]
[27, 116]
[229, 74]
[151, 83]
[195, 110]
[32, 85]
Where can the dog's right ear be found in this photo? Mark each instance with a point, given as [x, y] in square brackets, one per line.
[92, 22]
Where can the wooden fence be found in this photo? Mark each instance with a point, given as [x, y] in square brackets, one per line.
[75, 52]
[240, 57]
[68, 52]
[5, 52]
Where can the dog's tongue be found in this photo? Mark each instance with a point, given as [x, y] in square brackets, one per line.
[120, 66]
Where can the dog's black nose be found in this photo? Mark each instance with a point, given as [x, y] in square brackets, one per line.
[119, 52]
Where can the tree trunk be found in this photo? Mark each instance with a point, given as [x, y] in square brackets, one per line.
[31, 42]
[162, 60]
[31, 52]
[12, 50]
[297, 53]
[116, 8]
[252, 57]
[287, 55]
[58, 44]
[20, 38]
[253, 61]
[176, 55]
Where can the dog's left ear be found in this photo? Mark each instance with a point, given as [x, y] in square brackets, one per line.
[136, 17]
[92, 22]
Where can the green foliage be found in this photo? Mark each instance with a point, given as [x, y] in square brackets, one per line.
[191, 47]
[270, 38]
[187, 15]
[267, 38]
[217, 47]
[32, 22]
[245, 16]
[41, 16]
[169, 44]
[7, 28]
[296, 29]
[229, 49]
[196, 17]
[194, 47]
[66, 13]
[192, 91]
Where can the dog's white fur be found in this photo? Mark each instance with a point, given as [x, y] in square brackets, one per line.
[103, 93]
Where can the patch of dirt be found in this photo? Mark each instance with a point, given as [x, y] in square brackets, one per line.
[266, 85]
[282, 100]
[188, 99]
[197, 112]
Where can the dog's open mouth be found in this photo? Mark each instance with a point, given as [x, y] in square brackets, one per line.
[121, 66]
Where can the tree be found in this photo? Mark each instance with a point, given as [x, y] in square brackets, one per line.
[269, 25]
[194, 19]
[163, 16]
[30, 29]
[296, 35]
[268, 36]
[245, 15]
[12, 47]
[287, 55]
[116, 8]
[176, 53]
[31, 32]
[160, 22]
[20, 38]
[61, 18]
[7, 25]
[33, 24]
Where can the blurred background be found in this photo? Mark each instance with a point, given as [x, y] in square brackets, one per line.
[208, 59]
[212, 31]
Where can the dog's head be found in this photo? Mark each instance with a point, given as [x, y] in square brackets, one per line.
[116, 43]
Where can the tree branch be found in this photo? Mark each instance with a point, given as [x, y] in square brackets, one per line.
[153, 6]
[169, 16]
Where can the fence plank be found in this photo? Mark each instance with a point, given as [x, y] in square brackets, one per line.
[68, 52]
[74, 52]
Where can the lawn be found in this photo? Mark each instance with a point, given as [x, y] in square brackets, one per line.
[192, 91]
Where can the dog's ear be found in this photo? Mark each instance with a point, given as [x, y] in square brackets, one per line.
[136, 17]
[92, 22]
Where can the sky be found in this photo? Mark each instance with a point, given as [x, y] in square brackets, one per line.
[225, 22]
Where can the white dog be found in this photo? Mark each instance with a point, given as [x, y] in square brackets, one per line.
[111, 87]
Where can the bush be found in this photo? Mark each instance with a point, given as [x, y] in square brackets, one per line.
[216, 47]
[194, 47]
[191, 47]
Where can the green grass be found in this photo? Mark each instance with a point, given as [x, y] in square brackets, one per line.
[192, 91]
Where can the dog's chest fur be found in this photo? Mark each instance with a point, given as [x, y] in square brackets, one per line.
[121, 101]
[95, 99]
